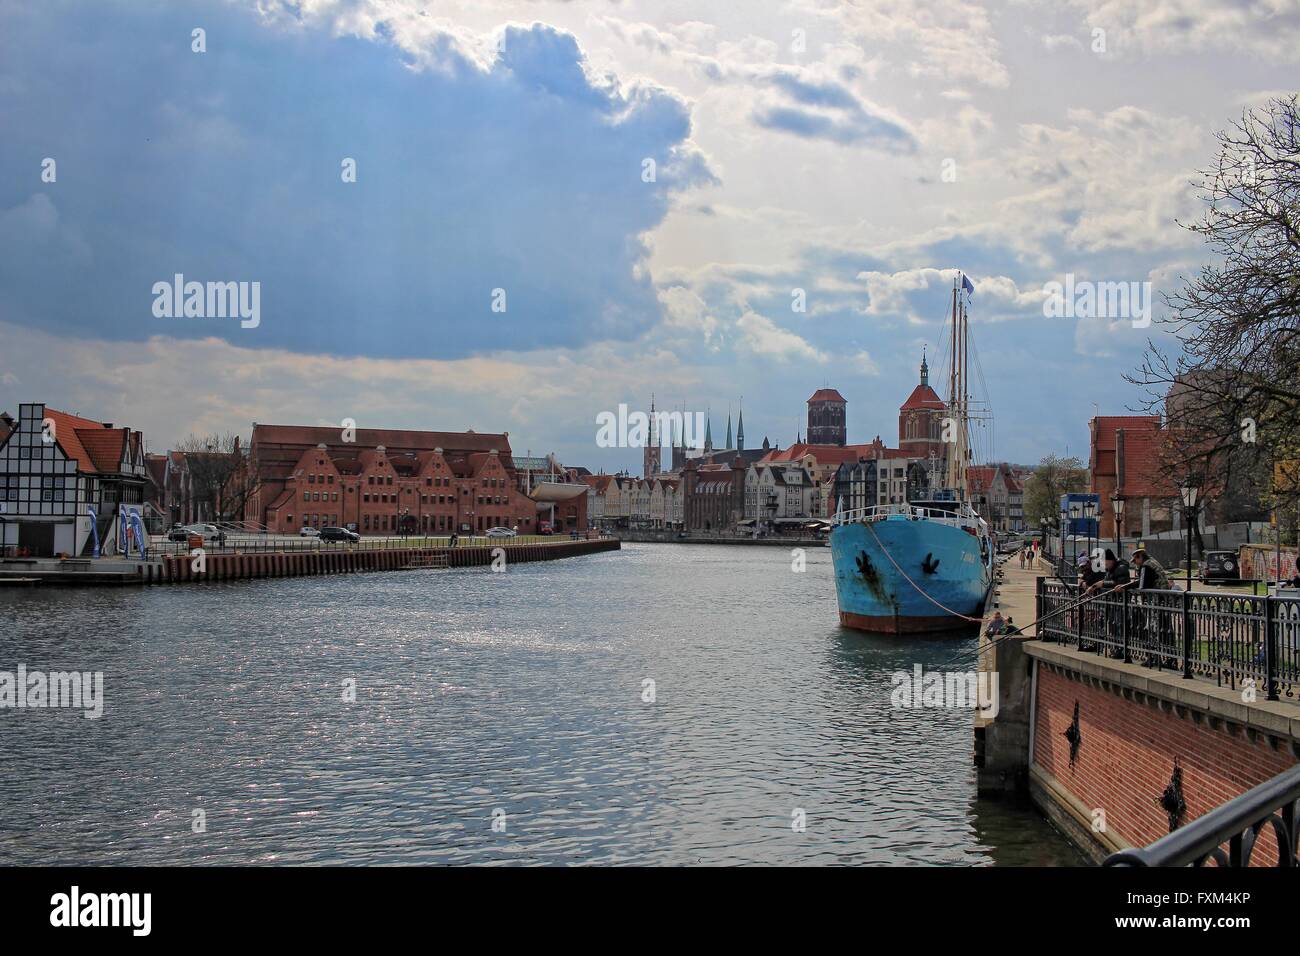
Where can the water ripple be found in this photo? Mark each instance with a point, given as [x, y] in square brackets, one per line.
[478, 693]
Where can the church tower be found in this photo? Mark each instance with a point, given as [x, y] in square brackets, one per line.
[920, 420]
[650, 458]
[740, 431]
[827, 414]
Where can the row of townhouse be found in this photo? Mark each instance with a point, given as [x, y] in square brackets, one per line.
[622, 501]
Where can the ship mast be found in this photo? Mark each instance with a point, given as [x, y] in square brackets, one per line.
[957, 395]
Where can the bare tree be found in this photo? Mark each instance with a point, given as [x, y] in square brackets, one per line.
[1232, 397]
[1043, 489]
[221, 476]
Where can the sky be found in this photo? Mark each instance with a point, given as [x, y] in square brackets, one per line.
[514, 216]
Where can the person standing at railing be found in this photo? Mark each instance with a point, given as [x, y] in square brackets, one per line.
[1151, 574]
[1116, 575]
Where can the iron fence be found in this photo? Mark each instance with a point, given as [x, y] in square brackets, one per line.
[1229, 834]
[1228, 638]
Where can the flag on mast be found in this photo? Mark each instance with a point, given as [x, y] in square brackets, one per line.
[966, 284]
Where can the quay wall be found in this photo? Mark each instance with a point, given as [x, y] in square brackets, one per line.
[1134, 727]
[675, 537]
[235, 566]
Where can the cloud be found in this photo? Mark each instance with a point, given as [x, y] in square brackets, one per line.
[1267, 28]
[865, 363]
[762, 336]
[943, 39]
[818, 107]
[522, 172]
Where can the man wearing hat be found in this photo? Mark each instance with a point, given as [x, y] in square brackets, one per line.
[1151, 575]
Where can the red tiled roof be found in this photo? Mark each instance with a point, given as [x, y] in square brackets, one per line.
[283, 497]
[104, 445]
[830, 454]
[65, 435]
[1105, 426]
[157, 465]
[392, 439]
[980, 477]
[277, 448]
[826, 395]
[923, 396]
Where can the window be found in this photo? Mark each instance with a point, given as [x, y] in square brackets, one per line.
[330, 479]
[306, 496]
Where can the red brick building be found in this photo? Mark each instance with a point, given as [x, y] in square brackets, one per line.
[1126, 455]
[827, 418]
[713, 496]
[388, 481]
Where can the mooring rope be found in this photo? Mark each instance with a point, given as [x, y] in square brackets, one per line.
[964, 617]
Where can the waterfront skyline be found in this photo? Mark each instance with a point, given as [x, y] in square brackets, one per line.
[845, 159]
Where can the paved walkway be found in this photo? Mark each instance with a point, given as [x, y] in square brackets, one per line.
[1014, 594]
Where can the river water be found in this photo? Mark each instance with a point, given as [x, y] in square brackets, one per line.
[498, 718]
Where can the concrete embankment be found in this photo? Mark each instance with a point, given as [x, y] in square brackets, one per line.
[675, 537]
[234, 565]
[1118, 754]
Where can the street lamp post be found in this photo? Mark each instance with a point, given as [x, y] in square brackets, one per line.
[1075, 511]
[1117, 509]
[1189, 492]
[1090, 516]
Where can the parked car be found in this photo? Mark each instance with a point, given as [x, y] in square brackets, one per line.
[210, 533]
[1220, 566]
[306, 532]
[178, 533]
[545, 527]
[499, 533]
[339, 534]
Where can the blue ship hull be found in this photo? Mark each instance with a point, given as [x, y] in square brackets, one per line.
[949, 564]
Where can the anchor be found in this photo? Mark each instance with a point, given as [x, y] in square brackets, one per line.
[929, 565]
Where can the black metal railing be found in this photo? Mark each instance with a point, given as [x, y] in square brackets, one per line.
[1229, 638]
[1229, 834]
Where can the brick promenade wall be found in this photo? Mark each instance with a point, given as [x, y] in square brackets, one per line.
[226, 567]
[1126, 756]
